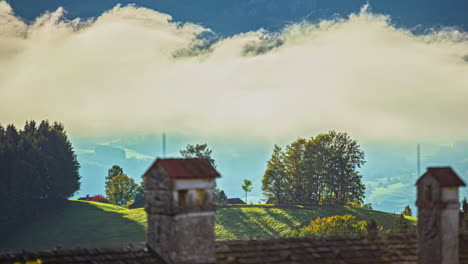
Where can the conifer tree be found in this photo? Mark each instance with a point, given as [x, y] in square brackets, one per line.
[401, 225]
[38, 170]
[407, 211]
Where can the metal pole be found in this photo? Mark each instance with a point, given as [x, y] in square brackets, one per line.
[419, 159]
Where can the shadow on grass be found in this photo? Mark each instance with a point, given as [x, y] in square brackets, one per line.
[77, 224]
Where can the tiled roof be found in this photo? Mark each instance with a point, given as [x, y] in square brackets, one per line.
[395, 248]
[382, 249]
[192, 168]
[126, 255]
[445, 176]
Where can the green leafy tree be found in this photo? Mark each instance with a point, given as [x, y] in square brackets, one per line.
[247, 187]
[220, 196]
[121, 190]
[402, 225]
[140, 197]
[111, 173]
[274, 180]
[294, 162]
[140, 191]
[198, 151]
[407, 211]
[322, 170]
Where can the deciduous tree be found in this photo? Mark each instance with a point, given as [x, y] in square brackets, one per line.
[321, 170]
[198, 151]
[274, 180]
[121, 190]
[247, 187]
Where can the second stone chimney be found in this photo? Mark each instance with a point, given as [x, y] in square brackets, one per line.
[438, 215]
[181, 210]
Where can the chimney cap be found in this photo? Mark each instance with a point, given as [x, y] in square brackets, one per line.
[186, 168]
[444, 175]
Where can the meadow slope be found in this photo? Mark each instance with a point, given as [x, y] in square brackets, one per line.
[97, 224]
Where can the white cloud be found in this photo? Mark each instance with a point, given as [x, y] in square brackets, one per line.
[119, 74]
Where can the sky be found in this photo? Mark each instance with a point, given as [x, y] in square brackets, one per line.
[133, 72]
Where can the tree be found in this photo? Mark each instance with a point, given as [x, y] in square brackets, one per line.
[198, 151]
[38, 170]
[139, 200]
[407, 211]
[140, 191]
[295, 170]
[402, 224]
[372, 227]
[121, 190]
[247, 187]
[273, 182]
[111, 173]
[220, 196]
[322, 170]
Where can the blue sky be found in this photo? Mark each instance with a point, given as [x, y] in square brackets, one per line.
[242, 76]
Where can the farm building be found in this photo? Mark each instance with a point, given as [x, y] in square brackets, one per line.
[234, 201]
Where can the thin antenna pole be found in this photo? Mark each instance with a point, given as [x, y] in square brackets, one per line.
[164, 145]
[419, 159]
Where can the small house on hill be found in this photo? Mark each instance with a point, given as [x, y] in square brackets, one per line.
[234, 201]
[181, 213]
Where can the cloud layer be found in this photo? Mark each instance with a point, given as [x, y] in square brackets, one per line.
[133, 70]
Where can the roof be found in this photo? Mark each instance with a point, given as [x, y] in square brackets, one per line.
[382, 249]
[186, 168]
[126, 255]
[394, 248]
[444, 175]
[234, 201]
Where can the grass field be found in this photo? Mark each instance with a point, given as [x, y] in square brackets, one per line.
[97, 224]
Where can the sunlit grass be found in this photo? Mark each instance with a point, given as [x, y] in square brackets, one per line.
[99, 224]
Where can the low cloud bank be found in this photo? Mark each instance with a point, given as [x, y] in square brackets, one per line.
[132, 70]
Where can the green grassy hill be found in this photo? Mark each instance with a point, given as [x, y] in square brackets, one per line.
[97, 224]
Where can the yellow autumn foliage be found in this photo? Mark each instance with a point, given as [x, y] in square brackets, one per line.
[36, 261]
[335, 225]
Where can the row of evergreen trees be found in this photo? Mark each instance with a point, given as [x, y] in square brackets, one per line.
[320, 171]
[38, 170]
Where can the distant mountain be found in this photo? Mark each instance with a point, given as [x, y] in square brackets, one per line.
[229, 17]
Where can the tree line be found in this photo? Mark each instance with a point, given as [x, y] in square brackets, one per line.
[38, 170]
[322, 170]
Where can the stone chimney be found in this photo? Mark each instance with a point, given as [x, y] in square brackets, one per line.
[181, 210]
[438, 216]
